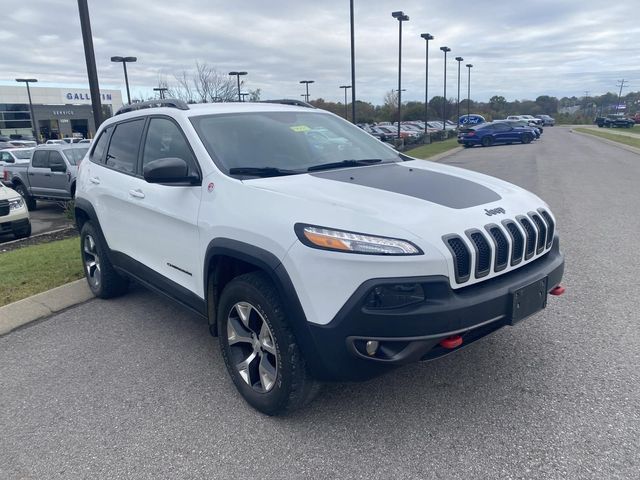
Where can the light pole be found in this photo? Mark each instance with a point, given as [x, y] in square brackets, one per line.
[243, 95]
[238, 75]
[307, 82]
[161, 91]
[469, 66]
[444, 105]
[459, 60]
[346, 110]
[401, 17]
[90, 59]
[353, 66]
[124, 61]
[427, 37]
[34, 124]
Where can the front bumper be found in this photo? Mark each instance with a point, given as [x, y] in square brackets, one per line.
[414, 333]
[14, 226]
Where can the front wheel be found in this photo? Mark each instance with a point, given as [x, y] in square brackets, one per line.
[527, 138]
[28, 199]
[102, 278]
[259, 347]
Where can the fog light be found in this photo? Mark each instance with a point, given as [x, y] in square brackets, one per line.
[372, 347]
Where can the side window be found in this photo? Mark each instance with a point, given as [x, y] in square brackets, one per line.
[55, 159]
[6, 157]
[123, 148]
[40, 159]
[97, 155]
[165, 139]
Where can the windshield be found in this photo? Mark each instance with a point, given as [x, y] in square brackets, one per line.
[286, 140]
[75, 155]
[22, 154]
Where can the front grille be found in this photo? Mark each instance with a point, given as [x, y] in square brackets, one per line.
[4, 208]
[499, 245]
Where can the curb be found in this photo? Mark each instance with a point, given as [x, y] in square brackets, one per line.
[628, 148]
[43, 305]
[52, 232]
[440, 156]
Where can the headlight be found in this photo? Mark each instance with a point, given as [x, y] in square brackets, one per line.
[16, 203]
[352, 242]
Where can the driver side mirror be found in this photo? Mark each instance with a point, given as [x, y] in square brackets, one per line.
[171, 170]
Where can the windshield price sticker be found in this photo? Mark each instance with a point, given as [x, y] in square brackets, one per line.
[300, 128]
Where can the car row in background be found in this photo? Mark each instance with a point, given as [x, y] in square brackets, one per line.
[615, 120]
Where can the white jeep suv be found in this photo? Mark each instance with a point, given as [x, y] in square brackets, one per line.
[312, 259]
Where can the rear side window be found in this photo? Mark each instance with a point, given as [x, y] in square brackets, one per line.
[165, 139]
[40, 159]
[97, 155]
[123, 148]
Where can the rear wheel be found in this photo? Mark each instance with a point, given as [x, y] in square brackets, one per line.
[259, 348]
[28, 199]
[487, 141]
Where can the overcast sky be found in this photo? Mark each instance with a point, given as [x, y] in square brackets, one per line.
[519, 49]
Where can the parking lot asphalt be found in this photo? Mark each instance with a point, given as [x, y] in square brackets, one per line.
[49, 216]
[136, 388]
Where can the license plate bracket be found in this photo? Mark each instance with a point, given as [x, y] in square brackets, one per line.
[528, 300]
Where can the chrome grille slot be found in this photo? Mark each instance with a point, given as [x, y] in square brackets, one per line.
[517, 241]
[530, 233]
[483, 252]
[550, 226]
[542, 231]
[501, 245]
[461, 257]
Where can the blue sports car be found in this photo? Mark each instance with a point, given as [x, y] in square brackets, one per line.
[488, 134]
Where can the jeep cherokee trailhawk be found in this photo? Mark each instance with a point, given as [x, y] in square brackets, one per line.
[314, 251]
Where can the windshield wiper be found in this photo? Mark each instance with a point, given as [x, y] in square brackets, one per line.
[261, 171]
[344, 163]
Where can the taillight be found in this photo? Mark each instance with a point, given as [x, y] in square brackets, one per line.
[471, 134]
[6, 176]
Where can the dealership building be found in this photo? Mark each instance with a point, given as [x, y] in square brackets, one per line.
[58, 112]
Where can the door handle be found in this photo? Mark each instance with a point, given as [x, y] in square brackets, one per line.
[136, 193]
[95, 180]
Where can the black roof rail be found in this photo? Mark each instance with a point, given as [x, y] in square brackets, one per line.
[286, 101]
[165, 102]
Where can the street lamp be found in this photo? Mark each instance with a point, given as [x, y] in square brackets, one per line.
[161, 90]
[124, 61]
[401, 17]
[444, 106]
[427, 37]
[469, 66]
[242, 95]
[34, 124]
[238, 75]
[460, 60]
[346, 110]
[307, 82]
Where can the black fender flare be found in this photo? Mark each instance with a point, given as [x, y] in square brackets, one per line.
[272, 266]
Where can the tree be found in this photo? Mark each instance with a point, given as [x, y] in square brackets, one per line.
[202, 85]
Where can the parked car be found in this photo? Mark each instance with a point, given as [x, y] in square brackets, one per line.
[309, 264]
[615, 120]
[50, 174]
[536, 130]
[531, 119]
[547, 121]
[85, 140]
[14, 216]
[11, 156]
[72, 139]
[55, 142]
[24, 143]
[488, 134]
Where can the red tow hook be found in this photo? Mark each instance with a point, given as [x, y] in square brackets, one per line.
[557, 291]
[451, 342]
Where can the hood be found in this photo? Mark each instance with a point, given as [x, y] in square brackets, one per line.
[415, 196]
[7, 193]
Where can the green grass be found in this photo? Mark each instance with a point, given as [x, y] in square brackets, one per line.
[627, 140]
[30, 270]
[426, 151]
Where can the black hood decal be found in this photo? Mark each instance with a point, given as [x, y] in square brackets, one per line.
[441, 188]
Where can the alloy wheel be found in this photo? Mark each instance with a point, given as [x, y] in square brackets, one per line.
[91, 261]
[252, 348]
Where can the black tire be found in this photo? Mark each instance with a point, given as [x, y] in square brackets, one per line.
[28, 199]
[527, 138]
[487, 141]
[104, 281]
[466, 145]
[290, 386]
[25, 233]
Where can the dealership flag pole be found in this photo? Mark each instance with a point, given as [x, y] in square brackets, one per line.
[90, 57]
